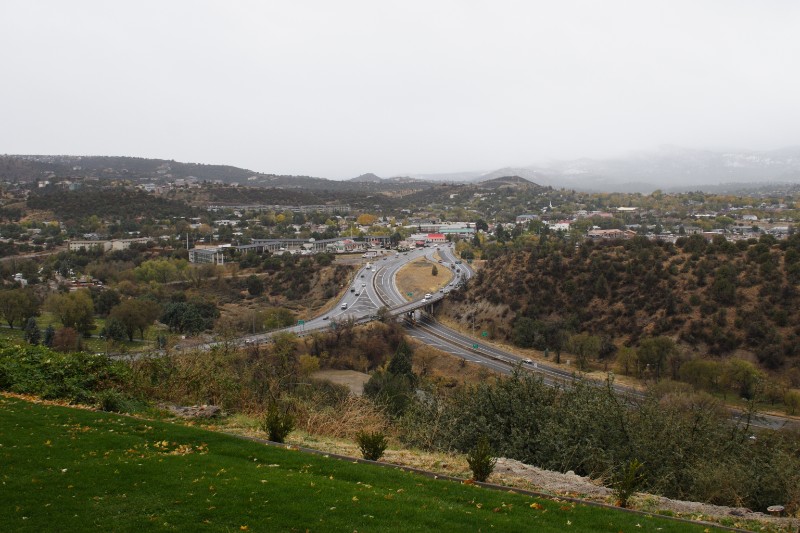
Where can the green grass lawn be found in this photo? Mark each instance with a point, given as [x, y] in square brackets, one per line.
[92, 344]
[64, 469]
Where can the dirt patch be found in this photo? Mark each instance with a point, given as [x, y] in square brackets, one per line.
[417, 279]
[349, 378]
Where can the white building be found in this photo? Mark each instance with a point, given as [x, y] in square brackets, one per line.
[112, 245]
[561, 225]
[212, 255]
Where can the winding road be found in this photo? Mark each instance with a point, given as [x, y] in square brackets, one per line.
[375, 287]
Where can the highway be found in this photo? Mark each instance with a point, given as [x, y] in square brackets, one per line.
[376, 287]
[430, 332]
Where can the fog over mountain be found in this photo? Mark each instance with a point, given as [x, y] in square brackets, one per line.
[667, 168]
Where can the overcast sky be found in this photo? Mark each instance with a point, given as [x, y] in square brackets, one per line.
[338, 88]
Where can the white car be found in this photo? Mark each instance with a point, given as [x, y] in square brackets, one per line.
[428, 296]
[344, 305]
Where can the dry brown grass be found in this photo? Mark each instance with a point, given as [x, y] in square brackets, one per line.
[439, 462]
[446, 369]
[416, 278]
[343, 421]
[351, 379]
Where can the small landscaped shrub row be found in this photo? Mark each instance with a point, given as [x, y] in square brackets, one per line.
[76, 377]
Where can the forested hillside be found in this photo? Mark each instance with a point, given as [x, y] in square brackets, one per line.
[116, 202]
[251, 195]
[717, 298]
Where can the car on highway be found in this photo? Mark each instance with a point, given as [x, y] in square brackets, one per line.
[428, 296]
[344, 305]
[326, 317]
[363, 284]
[527, 362]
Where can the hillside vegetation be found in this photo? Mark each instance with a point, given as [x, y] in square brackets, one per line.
[116, 202]
[716, 299]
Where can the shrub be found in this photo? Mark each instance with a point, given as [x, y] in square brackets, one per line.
[372, 445]
[278, 423]
[627, 480]
[481, 460]
[112, 401]
[76, 377]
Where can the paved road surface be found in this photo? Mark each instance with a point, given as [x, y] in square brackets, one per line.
[376, 287]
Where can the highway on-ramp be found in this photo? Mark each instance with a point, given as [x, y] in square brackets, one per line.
[374, 287]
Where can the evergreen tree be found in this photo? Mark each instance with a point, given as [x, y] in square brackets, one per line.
[394, 387]
[49, 335]
[32, 332]
[114, 330]
[400, 364]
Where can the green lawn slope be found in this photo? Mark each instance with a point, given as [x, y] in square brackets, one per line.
[66, 469]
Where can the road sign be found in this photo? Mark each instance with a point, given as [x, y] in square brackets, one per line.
[475, 346]
[301, 322]
[410, 294]
[485, 334]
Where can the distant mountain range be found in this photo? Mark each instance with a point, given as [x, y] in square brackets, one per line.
[669, 168]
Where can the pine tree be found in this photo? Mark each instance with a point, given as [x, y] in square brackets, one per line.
[400, 365]
[32, 332]
[49, 335]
